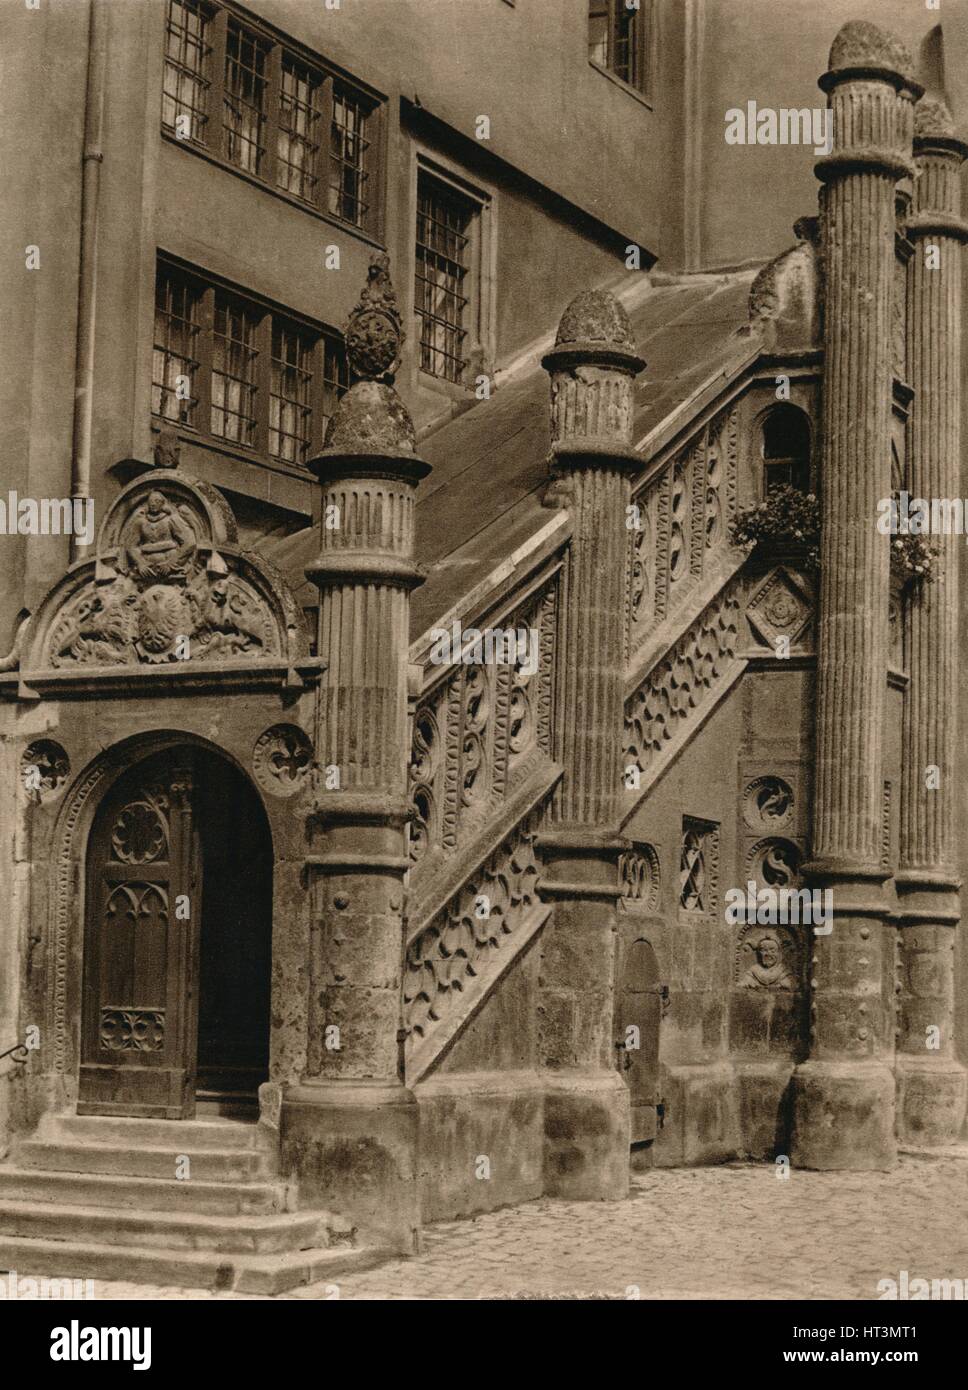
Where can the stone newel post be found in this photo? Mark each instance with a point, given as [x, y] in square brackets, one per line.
[931, 1082]
[592, 369]
[844, 1093]
[350, 1127]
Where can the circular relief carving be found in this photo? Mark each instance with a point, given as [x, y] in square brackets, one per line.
[768, 803]
[774, 862]
[139, 834]
[44, 767]
[282, 758]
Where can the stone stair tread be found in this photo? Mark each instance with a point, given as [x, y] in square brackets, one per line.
[267, 1221]
[59, 1176]
[113, 1147]
[237, 1134]
[243, 1273]
[147, 1194]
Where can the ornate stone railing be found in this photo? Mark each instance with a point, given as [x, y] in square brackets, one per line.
[684, 512]
[479, 733]
[682, 689]
[685, 600]
[455, 961]
[481, 773]
[482, 767]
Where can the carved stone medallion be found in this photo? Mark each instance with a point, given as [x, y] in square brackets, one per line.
[768, 803]
[44, 767]
[282, 759]
[779, 607]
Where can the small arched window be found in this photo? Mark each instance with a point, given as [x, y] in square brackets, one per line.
[786, 450]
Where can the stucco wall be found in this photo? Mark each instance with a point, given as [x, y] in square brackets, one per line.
[773, 54]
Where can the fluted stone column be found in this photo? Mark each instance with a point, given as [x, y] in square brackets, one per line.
[592, 369]
[350, 1127]
[930, 1081]
[844, 1092]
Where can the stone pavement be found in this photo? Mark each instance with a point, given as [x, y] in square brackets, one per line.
[729, 1232]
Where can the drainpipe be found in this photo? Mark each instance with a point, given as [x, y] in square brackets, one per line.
[87, 274]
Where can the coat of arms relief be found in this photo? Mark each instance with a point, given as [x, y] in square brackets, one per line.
[168, 584]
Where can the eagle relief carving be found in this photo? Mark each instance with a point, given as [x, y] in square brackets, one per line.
[167, 585]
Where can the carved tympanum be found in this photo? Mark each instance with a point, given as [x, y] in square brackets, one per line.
[167, 585]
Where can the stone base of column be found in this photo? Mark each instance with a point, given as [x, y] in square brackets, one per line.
[353, 1148]
[586, 1143]
[931, 1099]
[843, 1116]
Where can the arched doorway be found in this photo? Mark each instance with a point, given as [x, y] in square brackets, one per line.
[177, 939]
[638, 1015]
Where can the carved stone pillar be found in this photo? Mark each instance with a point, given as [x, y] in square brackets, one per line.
[592, 369]
[930, 1081]
[844, 1092]
[350, 1127]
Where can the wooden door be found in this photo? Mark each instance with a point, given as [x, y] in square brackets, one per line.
[638, 1016]
[139, 1014]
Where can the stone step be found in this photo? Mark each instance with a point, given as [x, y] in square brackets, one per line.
[213, 1165]
[282, 1232]
[187, 1269]
[188, 1135]
[144, 1194]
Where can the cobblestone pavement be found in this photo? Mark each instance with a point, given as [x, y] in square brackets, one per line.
[729, 1232]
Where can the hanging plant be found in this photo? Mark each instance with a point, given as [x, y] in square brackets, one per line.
[913, 561]
[788, 517]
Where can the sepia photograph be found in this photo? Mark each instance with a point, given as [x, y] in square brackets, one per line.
[482, 526]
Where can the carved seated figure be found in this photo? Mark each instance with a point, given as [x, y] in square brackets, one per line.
[162, 542]
[768, 969]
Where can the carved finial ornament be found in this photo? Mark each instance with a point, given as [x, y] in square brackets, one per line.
[374, 332]
[862, 45]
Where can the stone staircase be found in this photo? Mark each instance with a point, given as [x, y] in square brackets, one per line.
[98, 1198]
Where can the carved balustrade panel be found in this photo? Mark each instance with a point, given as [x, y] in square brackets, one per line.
[454, 953]
[679, 529]
[481, 732]
[658, 713]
